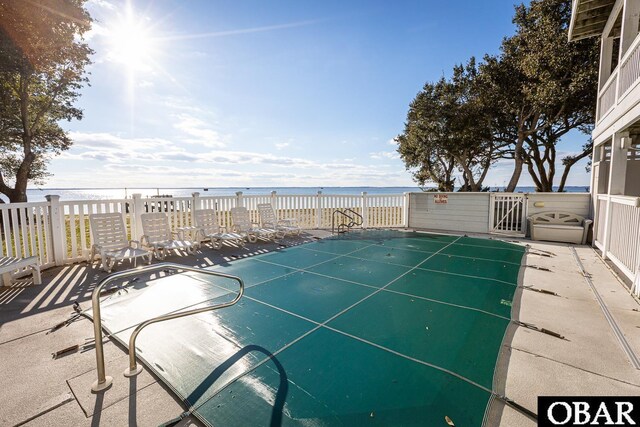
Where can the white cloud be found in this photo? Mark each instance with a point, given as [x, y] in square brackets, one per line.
[384, 155]
[282, 145]
[392, 141]
[197, 131]
[130, 162]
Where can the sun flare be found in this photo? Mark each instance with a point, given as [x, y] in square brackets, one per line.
[132, 43]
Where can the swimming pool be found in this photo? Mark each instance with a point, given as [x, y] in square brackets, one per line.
[373, 327]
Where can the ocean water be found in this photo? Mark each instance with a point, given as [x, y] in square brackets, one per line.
[38, 194]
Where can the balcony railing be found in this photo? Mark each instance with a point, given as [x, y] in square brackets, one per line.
[607, 98]
[623, 79]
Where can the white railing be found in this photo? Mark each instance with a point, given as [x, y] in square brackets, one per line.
[26, 231]
[607, 95]
[618, 231]
[622, 81]
[58, 232]
[629, 68]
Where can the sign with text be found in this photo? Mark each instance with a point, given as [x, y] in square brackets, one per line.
[441, 199]
[588, 410]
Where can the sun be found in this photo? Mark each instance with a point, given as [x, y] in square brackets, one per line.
[131, 42]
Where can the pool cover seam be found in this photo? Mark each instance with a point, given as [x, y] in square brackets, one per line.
[324, 324]
[300, 270]
[348, 255]
[229, 291]
[320, 325]
[425, 252]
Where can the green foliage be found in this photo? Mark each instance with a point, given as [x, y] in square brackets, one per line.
[42, 68]
[517, 105]
[448, 129]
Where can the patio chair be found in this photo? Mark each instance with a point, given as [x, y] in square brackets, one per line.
[158, 236]
[208, 228]
[242, 224]
[9, 266]
[284, 227]
[110, 241]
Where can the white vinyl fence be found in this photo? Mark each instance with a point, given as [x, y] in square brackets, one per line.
[617, 232]
[58, 233]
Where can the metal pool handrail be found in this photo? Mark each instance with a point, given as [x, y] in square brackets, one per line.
[103, 382]
[358, 220]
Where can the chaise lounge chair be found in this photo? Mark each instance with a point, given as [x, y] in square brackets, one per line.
[242, 224]
[159, 237]
[209, 229]
[110, 241]
[9, 266]
[283, 227]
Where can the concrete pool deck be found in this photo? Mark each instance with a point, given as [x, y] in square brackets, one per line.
[38, 390]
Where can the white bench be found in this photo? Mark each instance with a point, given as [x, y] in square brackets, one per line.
[8, 265]
[559, 227]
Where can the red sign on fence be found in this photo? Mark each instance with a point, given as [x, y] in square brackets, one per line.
[441, 199]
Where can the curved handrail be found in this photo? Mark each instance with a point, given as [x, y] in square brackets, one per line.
[103, 382]
[357, 219]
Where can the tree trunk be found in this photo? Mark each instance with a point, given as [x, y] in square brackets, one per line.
[518, 156]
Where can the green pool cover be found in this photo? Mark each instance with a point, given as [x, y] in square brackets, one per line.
[371, 328]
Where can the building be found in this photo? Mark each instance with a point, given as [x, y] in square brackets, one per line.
[615, 177]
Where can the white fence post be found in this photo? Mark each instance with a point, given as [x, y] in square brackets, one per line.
[607, 228]
[365, 210]
[274, 204]
[406, 200]
[57, 228]
[136, 219]
[239, 202]
[319, 210]
[195, 204]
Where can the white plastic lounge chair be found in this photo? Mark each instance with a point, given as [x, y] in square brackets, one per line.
[208, 228]
[159, 237]
[242, 224]
[9, 265]
[268, 219]
[110, 241]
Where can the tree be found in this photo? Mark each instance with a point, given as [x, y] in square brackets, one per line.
[421, 146]
[42, 68]
[544, 88]
[448, 129]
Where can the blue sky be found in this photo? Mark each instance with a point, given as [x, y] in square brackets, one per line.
[252, 93]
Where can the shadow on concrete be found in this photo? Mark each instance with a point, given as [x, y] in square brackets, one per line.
[64, 286]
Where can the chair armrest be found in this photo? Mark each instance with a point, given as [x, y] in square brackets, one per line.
[288, 221]
[588, 222]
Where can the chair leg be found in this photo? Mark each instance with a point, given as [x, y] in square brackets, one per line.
[37, 277]
[6, 279]
[110, 262]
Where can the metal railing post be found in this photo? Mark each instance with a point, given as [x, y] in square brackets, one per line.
[104, 382]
